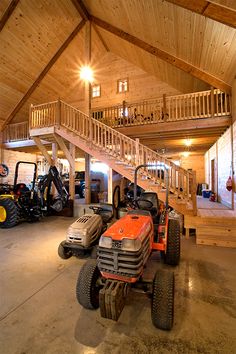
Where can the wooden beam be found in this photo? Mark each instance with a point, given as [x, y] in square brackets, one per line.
[216, 12]
[7, 13]
[72, 172]
[43, 150]
[87, 179]
[63, 147]
[80, 7]
[161, 54]
[43, 73]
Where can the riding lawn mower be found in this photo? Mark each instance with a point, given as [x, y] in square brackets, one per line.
[83, 235]
[123, 261]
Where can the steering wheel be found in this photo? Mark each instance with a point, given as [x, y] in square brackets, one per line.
[144, 204]
[96, 209]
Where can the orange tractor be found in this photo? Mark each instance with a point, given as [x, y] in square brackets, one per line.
[124, 258]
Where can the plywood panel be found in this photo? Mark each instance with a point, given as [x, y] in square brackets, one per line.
[29, 40]
[180, 80]
[202, 42]
[3, 6]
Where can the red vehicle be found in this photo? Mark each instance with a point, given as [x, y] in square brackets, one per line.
[123, 262]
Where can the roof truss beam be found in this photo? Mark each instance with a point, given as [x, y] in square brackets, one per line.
[7, 13]
[163, 55]
[216, 12]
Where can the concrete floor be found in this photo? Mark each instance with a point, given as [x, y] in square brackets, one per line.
[39, 312]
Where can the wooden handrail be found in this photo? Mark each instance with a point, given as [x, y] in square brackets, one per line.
[16, 132]
[204, 104]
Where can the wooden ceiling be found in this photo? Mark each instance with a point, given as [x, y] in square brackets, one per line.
[42, 46]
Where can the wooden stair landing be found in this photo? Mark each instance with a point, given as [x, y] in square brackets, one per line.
[215, 225]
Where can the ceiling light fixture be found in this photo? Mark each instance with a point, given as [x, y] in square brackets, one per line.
[86, 73]
[188, 142]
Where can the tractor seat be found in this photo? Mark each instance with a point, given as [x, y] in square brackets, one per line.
[153, 198]
[20, 188]
[107, 212]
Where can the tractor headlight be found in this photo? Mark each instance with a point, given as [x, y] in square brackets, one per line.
[131, 245]
[105, 242]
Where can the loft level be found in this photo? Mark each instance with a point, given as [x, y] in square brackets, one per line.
[199, 110]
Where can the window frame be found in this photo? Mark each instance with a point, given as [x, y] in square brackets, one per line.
[94, 86]
[118, 85]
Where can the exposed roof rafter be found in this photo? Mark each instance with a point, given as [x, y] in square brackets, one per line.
[7, 13]
[216, 12]
[161, 54]
[79, 5]
[43, 73]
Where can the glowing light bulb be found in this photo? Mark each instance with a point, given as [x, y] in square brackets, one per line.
[186, 153]
[188, 142]
[86, 73]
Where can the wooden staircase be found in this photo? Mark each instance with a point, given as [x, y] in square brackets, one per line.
[48, 121]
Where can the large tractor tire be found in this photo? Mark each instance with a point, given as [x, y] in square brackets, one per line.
[172, 256]
[9, 213]
[63, 252]
[88, 287]
[163, 300]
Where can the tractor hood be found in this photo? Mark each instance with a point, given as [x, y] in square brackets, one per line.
[131, 226]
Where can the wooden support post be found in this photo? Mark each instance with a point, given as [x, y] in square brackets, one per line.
[212, 102]
[187, 233]
[110, 185]
[87, 179]
[137, 151]
[194, 193]
[164, 111]
[54, 153]
[72, 172]
[43, 150]
[87, 52]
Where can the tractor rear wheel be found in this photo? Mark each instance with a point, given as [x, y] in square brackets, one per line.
[9, 213]
[63, 252]
[172, 255]
[163, 300]
[88, 287]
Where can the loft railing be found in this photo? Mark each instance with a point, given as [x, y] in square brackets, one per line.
[16, 132]
[204, 104]
[181, 182]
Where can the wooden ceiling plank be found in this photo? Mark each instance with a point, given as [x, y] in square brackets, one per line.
[7, 13]
[169, 58]
[43, 73]
[100, 37]
[216, 12]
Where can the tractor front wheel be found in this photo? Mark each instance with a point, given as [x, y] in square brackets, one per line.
[88, 285]
[63, 252]
[172, 255]
[9, 214]
[163, 300]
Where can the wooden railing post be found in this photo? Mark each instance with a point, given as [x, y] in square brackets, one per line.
[212, 102]
[164, 112]
[58, 112]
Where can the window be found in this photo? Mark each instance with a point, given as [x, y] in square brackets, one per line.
[122, 85]
[96, 91]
